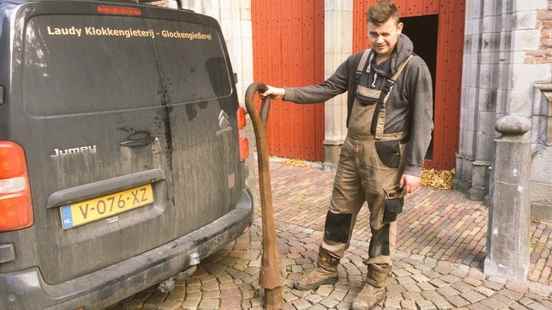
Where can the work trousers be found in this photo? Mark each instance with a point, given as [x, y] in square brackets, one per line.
[362, 177]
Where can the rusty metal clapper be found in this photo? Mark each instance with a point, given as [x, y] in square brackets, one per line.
[270, 277]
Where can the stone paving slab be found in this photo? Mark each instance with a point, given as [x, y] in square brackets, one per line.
[443, 225]
[229, 280]
[437, 264]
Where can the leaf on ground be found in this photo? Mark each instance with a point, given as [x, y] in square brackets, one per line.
[295, 163]
[439, 179]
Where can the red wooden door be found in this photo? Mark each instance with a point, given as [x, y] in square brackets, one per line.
[288, 50]
[450, 44]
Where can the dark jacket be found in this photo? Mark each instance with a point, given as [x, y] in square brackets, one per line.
[410, 106]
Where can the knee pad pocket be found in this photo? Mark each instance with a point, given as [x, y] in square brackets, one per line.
[337, 227]
[379, 244]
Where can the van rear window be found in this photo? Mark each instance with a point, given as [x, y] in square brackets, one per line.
[86, 64]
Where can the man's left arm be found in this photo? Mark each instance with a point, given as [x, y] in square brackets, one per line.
[420, 93]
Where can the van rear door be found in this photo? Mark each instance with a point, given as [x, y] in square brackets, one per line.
[205, 157]
[126, 150]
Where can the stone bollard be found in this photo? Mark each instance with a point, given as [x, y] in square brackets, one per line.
[510, 210]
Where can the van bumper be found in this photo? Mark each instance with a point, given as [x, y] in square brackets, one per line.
[27, 290]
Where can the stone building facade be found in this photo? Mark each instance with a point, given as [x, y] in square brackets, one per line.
[507, 63]
[338, 39]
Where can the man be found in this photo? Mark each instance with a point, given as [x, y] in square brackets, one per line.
[389, 120]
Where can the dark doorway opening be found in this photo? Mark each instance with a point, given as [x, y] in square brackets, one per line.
[422, 30]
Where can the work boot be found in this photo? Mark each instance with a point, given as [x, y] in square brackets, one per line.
[325, 272]
[373, 291]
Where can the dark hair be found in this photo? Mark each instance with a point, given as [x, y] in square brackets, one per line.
[382, 11]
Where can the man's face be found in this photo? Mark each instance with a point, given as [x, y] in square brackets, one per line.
[384, 37]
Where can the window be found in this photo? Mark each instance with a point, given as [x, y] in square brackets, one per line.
[84, 64]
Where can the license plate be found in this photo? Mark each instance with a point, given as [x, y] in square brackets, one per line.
[87, 211]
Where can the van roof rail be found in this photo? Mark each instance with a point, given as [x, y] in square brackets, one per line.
[178, 2]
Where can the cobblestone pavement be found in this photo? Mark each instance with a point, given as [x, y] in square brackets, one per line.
[437, 264]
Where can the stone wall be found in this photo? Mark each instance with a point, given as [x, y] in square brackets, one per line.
[338, 45]
[544, 53]
[541, 185]
[503, 58]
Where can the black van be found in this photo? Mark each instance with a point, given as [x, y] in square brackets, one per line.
[121, 162]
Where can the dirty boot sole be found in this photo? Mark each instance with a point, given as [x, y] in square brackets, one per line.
[369, 299]
[312, 286]
[378, 301]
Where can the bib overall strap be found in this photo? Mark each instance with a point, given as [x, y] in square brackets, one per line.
[364, 62]
[388, 87]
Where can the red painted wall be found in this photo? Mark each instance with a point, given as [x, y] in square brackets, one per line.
[288, 50]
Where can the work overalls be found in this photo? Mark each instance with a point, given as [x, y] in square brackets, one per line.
[369, 169]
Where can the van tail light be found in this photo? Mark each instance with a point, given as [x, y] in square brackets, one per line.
[244, 142]
[15, 195]
[241, 118]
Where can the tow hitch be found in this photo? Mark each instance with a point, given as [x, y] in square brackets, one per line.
[169, 284]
